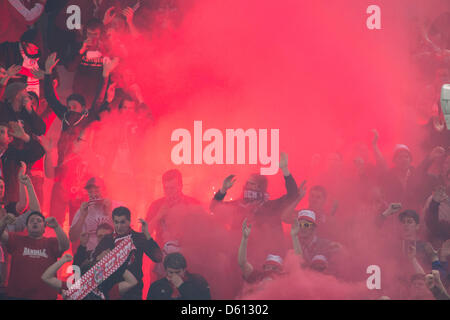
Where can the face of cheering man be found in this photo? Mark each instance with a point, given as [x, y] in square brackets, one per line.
[121, 225]
[36, 226]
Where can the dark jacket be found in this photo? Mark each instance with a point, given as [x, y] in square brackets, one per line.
[32, 123]
[10, 163]
[149, 247]
[71, 130]
[194, 288]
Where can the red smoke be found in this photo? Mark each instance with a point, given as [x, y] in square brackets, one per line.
[309, 68]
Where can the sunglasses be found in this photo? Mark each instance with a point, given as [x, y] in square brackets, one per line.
[306, 225]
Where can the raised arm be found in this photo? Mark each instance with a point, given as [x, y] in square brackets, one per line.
[245, 266]
[129, 15]
[288, 215]
[22, 204]
[49, 90]
[6, 75]
[49, 275]
[220, 195]
[381, 162]
[291, 185]
[392, 209]
[63, 240]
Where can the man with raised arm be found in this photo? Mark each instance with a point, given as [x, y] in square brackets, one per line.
[262, 213]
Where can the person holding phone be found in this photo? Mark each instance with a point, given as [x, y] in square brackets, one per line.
[96, 211]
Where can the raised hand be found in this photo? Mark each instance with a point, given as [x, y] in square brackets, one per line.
[393, 208]
[9, 219]
[429, 281]
[52, 222]
[129, 14]
[228, 183]
[13, 71]
[246, 229]
[24, 178]
[144, 224]
[17, 131]
[50, 63]
[110, 14]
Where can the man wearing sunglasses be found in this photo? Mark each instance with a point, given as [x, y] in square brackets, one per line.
[314, 250]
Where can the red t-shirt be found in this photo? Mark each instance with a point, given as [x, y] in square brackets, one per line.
[29, 259]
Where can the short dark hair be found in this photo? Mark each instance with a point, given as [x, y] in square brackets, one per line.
[409, 214]
[172, 174]
[77, 97]
[175, 261]
[122, 211]
[104, 226]
[34, 213]
[320, 189]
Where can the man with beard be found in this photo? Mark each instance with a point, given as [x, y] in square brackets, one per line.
[75, 119]
[31, 255]
[262, 213]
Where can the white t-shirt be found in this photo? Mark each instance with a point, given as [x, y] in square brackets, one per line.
[95, 217]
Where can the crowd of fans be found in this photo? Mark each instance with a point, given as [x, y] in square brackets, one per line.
[408, 204]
